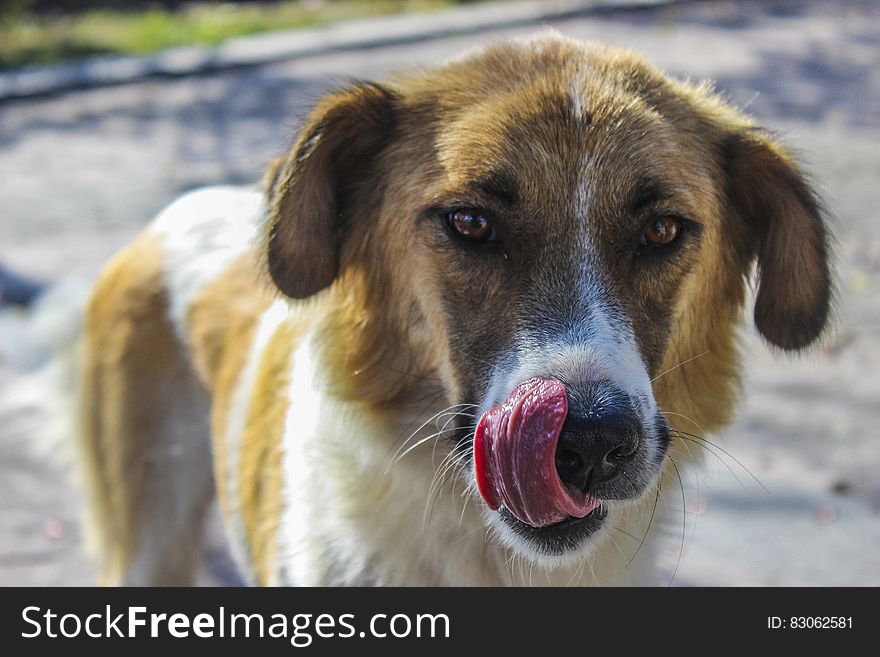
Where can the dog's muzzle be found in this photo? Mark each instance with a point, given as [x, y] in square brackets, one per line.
[545, 464]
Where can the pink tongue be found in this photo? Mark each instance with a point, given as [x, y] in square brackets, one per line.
[515, 456]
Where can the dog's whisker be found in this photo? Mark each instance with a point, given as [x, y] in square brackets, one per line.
[460, 466]
[467, 499]
[441, 470]
[468, 534]
[675, 367]
[699, 439]
[705, 443]
[434, 436]
[441, 478]
[516, 570]
[683, 444]
[431, 499]
[688, 439]
[431, 399]
[592, 569]
[450, 416]
[582, 569]
[685, 417]
[509, 565]
[444, 429]
[406, 448]
[576, 575]
[467, 494]
[683, 521]
[627, 534]
[650, 523]
[449, 410]
[450, 413]
[431, 419]
[617, 547]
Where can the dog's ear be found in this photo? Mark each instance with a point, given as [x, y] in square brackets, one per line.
[786, 228]
[311, 190]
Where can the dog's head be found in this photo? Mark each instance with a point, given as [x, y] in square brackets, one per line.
[562, 236]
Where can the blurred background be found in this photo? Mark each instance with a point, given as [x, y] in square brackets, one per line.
[101, 125]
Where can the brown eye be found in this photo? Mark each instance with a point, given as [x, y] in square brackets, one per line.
[471, 225]
[661, 232]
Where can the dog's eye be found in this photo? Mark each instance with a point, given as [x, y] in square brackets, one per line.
[471, 225]
[661, 232]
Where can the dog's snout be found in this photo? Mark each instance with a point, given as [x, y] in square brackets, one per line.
[596, 444]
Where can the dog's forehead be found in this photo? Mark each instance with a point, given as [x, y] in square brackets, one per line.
[546, 116]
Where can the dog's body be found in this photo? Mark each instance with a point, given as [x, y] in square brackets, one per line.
[536, 255]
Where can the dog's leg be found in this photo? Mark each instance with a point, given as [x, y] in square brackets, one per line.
[144, 431]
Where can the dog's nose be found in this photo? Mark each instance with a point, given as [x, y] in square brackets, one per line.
[594, 446]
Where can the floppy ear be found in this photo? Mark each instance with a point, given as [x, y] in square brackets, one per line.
[787, 231]
[311, 191]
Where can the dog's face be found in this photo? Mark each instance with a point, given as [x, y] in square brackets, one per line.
[551, 228]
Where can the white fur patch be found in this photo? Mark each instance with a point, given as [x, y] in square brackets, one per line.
[299, 547]
[576, 93]
[203, 232]
[600, 348]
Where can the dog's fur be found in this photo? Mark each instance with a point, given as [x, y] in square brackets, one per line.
[389, 333]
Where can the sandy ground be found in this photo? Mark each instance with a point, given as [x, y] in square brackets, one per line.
[794, 498]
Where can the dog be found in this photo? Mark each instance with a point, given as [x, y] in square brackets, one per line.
[457, 336]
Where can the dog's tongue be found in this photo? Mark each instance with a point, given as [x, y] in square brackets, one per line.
[515, 456]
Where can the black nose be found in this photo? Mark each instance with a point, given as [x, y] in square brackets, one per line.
[595, 446]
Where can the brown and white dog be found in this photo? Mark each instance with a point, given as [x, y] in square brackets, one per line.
[458, 335]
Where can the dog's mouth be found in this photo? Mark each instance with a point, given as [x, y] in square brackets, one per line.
[559, 538]
[515, 463]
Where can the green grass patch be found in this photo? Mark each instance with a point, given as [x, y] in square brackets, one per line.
[39, 39]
